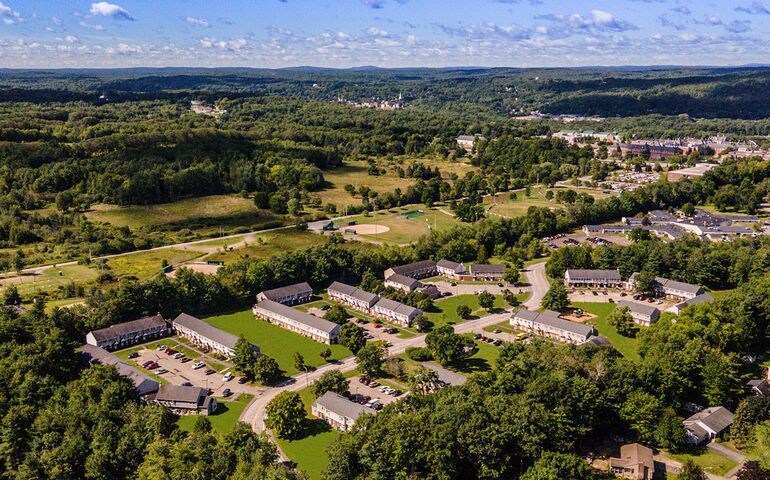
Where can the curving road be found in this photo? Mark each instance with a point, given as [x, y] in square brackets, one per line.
[539, 284]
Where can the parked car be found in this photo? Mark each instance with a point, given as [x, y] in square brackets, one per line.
[161, 347]
[446, 294]
[198, 365]
[162, 371]
[497, 342]
[146, 363]
[228, 376]
[476, 336]
[374, 384]
[178, 355]
[209, 371]
[133, 355]
[184, 360]
[152, 366]
[170, 351]
[377, 325]
[226, 392]
[187, 384]
[326, 307]
[242, 380]
[497, 330]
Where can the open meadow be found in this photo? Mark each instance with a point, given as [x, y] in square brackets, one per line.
[502, 205]
[402, 225]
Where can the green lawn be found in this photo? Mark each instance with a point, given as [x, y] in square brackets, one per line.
[402, 230]
[708, 461]
[146, 264]
[264, 245]
[275, 341]
[446, 310]
[224, 419]
[629, 347]
[481, 361]
[50, 279]
[502, 205]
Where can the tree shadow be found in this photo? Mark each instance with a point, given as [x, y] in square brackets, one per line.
[471, 365]
[312, 427]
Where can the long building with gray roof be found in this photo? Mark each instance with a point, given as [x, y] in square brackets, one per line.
[94, 355]
[352, 296]
[548, 324]
[288, 295]
[297, 321]
[338, 411]
[206, 336]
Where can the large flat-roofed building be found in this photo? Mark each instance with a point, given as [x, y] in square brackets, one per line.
[707, 424]
[125, 334]
[548, 324]
[395, 312]
[422, 269]
[186, 400]
[691, 172]
[93, 355]
[642, 314]
[288, 295]
[297, 321]
[592, 278]
[670, 288]
[635, 462]
[206, 336]
[651, 151]
[352, 296]
[338, 411]
[402, 282]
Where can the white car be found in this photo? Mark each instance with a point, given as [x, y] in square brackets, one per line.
[198, 365]
[228, 376]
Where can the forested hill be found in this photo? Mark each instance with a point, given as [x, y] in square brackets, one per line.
[742, 93]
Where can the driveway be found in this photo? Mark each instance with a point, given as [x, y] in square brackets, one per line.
[538, 284]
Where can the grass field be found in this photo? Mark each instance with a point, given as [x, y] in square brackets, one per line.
[224, 419]
[481, 361]
[146, 264]
[502, 205]
[403, 230]
[629, 347]
[275, 341]
[710, 462]
[447, 309]
[356, 173]
[213, 210]
[50, 279]
[272, 243]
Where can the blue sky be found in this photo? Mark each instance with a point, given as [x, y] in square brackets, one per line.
[387, 33]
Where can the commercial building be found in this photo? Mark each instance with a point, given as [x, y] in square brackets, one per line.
[635, 462]
[338, 411]
[395, 312]
[93, 355]
[352, 296]
[422, 269]
[642, 314]
[707, 424]
[126, 334]
[205, 336]
[297, 321]
[186, 400]
[592, 278]
[288, 295]
[549, 324]
[692, 172]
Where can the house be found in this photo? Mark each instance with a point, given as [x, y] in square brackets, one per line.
[549, 324]
[707, 424]
[402, 282]
[635, 462]
[352, 296]
[760, 387]
[642, 314]
[93, 355]
[185, 400]
[486, 272]
[422, 269]
[692, 172]
[206, 336]
[395, 312]
[125, 334]
[592, 278]
[430, 290]
[702, 298]
[288, 295]
[297, 321]
[670, 288]
[338, 411]
[467, 141]
[449, 268]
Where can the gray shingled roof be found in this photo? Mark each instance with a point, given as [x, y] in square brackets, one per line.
[552, 319]
[143, 383]
[579, 274]
[340, 405]
[484, 268]
[204, 329]
[298, 315]
[287, 291]
[127, 328]
[408, 282]
[352, 291]
[702, 298]
[397, 307]
[447, 264]
[180, 393]
[667, 283]
[413, 267]
[642, 308]
[715, 418]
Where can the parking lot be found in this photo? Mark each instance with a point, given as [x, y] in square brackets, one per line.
[604, 296]
[580, 237]
[461, 288]
[179, 373]
[359, 388]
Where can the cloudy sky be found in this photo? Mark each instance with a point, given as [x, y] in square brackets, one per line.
[387, 33]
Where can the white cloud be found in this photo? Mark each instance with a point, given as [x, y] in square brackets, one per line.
[91, 26]
[200, 22]
[56, 21]
[9, 15]
[227, 45]
[71, 39]
[105, 9]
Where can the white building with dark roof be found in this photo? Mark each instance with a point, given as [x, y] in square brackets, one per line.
[402, 282]
[635, 462]
[98, 356]
[449, 268]
[670, 288]
[206, 336]
[578, 278]
[478, 271]
[702, 298]
[642, 314]
[395, 312]
[707, 424]
[126, 334]
[184, 400]
[352, 296]
[288, 295]
[421, 269]
[297, 321]
[549, 324]
[338, 411]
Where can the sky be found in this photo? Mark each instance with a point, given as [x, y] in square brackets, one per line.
[385, 33]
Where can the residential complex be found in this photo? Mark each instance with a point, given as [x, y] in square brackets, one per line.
[206, 336]
[352, 296]
[549, 324]
[93, 355]
[288, 295]
[184, 400]
[297, 321]
[422, 269]
[338, 411]
[635, 462]
[395, 312]
[670, 288]
[592, 278]
[449, 268]
[402, 282]
[642, 314]
[707, 424]
[126, 334]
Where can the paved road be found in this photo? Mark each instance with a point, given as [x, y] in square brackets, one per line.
[538, 283]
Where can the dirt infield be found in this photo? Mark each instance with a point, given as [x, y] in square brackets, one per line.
[366, 229]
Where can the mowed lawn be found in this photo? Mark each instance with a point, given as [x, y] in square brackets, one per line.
[50, 279]
[502, 205]
[146, 264]
[629, 347]
[402, 230]
[224, 419]
[266, 245]
[709, 461]
[275, 341]
[446, 310]
[356, 173]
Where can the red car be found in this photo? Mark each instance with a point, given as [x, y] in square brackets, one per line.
[152, 366]
[170, 351]
[377, 325]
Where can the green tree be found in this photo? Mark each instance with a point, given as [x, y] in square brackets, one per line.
[424, 381]
[326, 353]
[752, 470]
[420, 322]
[621, 319]
[244, 356]
[647, 283]
[463, 311]
[487, 300]
[512, 275]
[266, 370]
[447, 346]
[286, 415]
[691, 471]
[64, 201]
[19, 261]
[337, 314]
[556, 297]
[294, 207]
[511, 298]
[688, 209]
[352, 337]
[370, 358]
[333, 381]
[559, 466]
[11, 295]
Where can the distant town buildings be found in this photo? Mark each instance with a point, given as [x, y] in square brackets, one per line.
[373, 104]
[467, 141]
[199, 107]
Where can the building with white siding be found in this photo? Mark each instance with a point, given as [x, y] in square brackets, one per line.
[338, 411]
[126, 334]
[297, 321]
[206, 336]
[549, 324]
[395, 312]
[577, 278]
[288, 295]
[421, 269]
[352, 296]
[642, 314]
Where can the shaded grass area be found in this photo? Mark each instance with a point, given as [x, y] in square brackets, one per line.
[629, 347]
[275, 341]
[224, 419]
[710, 462]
